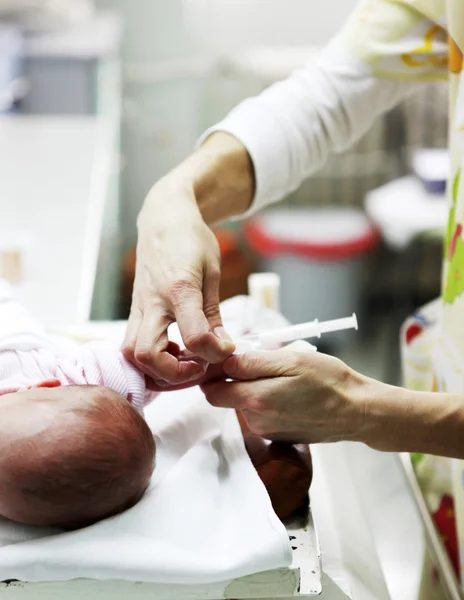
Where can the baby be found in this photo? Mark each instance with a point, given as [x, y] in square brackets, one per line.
[74, 446]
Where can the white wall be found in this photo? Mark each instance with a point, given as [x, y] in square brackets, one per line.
[153, 28]
[165, 28]
[228, 24]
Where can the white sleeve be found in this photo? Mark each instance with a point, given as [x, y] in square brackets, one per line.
[19, 330]
[291, 128]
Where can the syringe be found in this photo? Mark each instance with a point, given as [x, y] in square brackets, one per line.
[266, 340]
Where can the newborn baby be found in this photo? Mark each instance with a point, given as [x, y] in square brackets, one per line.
[74, 446]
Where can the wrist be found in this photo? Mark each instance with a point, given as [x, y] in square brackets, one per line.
[215, 183]
[382, 426]
[173, 198]
[222, 176]
[356, 391]
[401, 420]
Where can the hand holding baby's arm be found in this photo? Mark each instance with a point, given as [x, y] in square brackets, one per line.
[212, 373]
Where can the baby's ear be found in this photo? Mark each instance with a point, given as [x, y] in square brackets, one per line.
[49, 383]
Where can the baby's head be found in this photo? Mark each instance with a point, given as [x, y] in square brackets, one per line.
[71, 456]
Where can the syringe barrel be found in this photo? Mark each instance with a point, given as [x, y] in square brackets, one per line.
[267, 340]
[290, 334]
[339, 324]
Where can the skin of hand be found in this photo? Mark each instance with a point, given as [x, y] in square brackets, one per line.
[294, 396]
[307, 397]
[211, 372]
[178, 263]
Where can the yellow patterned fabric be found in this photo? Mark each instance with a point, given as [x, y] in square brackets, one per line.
[424, 40]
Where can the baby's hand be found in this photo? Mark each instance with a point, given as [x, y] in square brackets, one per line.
[211, 373]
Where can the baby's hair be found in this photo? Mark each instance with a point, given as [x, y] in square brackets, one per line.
[93, 462]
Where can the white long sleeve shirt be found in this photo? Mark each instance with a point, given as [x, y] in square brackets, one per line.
[291, 128]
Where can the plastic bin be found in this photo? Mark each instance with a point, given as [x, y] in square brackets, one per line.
[319, 255]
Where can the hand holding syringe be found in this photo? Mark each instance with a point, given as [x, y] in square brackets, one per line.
[266, 340]
[273, 339]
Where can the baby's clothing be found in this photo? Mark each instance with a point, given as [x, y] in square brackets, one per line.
[28, 356]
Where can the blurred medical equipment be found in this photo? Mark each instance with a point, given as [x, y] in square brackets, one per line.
[432, 166]
[265, 288]
[319, 255]
[14, 245]
[404, 209]
[74, 70]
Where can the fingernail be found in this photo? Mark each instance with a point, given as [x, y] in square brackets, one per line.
[222, 334]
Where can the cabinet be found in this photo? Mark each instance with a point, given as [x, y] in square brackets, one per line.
[75, 72]
[65, 69]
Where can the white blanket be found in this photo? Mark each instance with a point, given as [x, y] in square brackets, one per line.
[206, 518]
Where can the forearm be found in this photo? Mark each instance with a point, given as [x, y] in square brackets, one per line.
[217, 181]
[266, 147]
[400, 420]
[223, 177]
[292, 128]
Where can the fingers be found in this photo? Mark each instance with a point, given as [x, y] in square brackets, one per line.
[196, 331]
[261, 365]
[253, 396]
[212, 373]
[147, 346]
[211, 299]
[227, 394]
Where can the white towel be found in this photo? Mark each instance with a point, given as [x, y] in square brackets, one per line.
[207, 517]
[403, 210]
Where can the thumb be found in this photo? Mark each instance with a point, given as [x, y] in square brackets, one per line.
[211, 300]
[194, 326]
[260, 365]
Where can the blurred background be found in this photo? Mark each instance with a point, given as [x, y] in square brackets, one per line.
[100, 98]
[160, 73]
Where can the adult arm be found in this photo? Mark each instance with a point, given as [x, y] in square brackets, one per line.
[306, 397]
[258, 154]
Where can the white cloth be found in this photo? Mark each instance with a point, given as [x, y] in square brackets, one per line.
[207, 517]
[292, 127]
[404, 210]
[19, 330]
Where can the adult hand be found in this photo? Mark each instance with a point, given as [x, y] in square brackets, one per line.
[292, 395]
[210, 373]
[177, 279]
